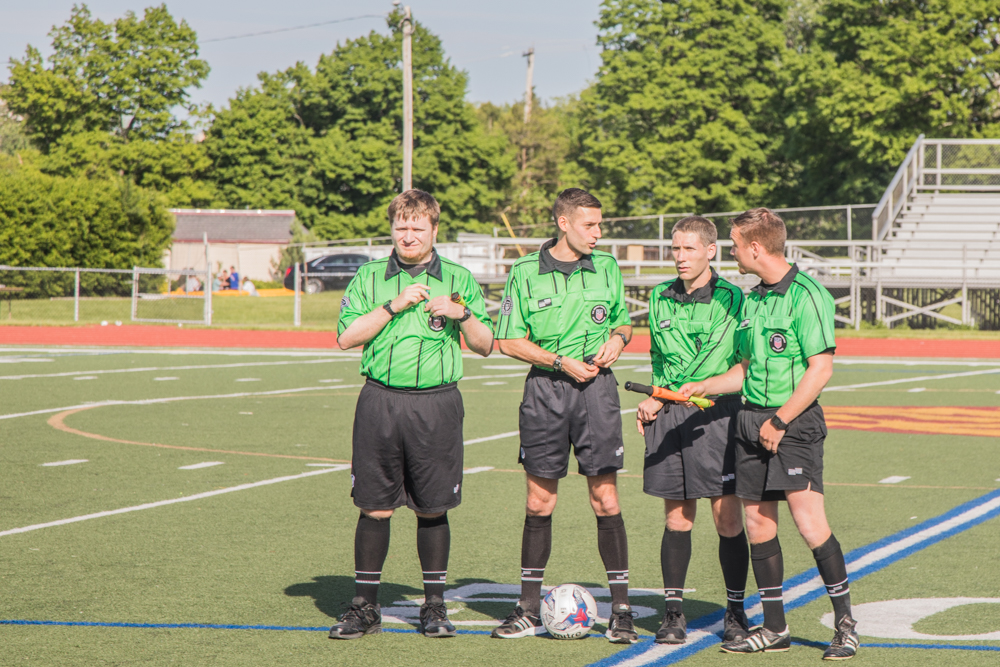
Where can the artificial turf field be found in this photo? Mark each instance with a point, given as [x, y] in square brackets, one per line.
[206, 550]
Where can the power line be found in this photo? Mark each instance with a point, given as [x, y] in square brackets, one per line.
[298, 27]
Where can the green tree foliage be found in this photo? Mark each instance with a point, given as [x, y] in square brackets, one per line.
[123, 77]
[327, 142]
[872, 76]
[540, 149]
[681, 117]
[55, 221]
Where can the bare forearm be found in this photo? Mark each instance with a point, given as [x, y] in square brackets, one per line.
[730, 382]
[625, 329]
[809, 388]
[363, 329]
[523, 349]
[478, 336]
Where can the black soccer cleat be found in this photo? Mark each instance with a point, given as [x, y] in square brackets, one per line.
[761, 639]
[845, 641]
[434, 619]
[673, 630]
[735, 626]
[361, 618]
[519, 624]
[620, 627]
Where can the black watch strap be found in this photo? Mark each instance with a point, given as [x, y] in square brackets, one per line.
[468, 314]
[778, 424]
[388, 308]
[624, 339]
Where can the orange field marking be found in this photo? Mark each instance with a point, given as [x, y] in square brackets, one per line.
[962, 420]
[58, 422]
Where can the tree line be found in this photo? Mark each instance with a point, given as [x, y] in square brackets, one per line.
[698, 105]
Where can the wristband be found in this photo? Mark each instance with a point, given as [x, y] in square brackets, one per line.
[624, 339]
[388, 308]
[557, 363]
[778, 424]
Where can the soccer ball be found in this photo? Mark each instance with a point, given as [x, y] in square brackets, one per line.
[569, 611]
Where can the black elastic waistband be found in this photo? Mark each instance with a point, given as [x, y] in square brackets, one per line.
[560, 375]
[761, 408]
[725, 398]
[412, 390]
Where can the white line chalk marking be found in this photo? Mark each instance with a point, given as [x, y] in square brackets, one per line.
[916, 390]
[946, 376]
[206, 464]
[161, 503]
[894, 479]
[64, 463]
[247, 380]
[167, 368]
[492, 384]
[473, 471]
[165, 379]
[85, 377]
[499, 436]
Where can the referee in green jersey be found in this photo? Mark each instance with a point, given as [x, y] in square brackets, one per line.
[786, 344]
[690, 453]
[563, 312]
[408, 310]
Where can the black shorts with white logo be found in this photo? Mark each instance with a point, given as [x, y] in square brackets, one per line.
[691, 453]
[798, 464]
[408, 448]
[558, 412]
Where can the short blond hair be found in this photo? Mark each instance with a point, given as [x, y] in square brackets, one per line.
[703, 227]
[414, 204]
[763, 226]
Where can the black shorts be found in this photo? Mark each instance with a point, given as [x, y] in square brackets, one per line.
[691, 453]
[798, 464]
[407, 448]
[557, 412]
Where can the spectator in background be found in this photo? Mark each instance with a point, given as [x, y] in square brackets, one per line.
[250, 288]
[223, 279]
[234, 278]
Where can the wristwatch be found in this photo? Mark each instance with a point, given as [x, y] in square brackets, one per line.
[388, 308]
[624, 339]
[557, 364]
[467, 315]
[778, 424]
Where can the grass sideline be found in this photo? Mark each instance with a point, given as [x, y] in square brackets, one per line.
[281, 554]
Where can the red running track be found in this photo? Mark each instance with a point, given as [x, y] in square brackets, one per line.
[165, 336]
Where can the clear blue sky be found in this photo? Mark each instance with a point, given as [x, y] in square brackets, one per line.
[484, 39]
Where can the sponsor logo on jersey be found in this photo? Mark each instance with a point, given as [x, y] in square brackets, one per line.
[777, 341]
[544, 303]
[795, 471]
[619, 451]
[436, 323]
[345, 302]
[664, 324]
[599, 314]
[744, 324]
[507, 306]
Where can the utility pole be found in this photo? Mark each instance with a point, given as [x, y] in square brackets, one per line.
[530, 55]
[407, 100]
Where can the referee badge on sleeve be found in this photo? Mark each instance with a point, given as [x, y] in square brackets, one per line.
[507, 306]
[345, 302]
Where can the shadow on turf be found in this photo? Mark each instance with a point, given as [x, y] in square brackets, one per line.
[332, 594]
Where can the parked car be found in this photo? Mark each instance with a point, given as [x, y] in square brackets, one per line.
[324, 273]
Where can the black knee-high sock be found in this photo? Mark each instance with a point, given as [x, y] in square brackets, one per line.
[769, 570]
[433, 544]
[675, 556]
[536, 545]
[371, 545]
[833, 569]
[734, 556]
[612, 543]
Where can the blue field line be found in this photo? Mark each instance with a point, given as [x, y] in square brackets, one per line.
[702, 622]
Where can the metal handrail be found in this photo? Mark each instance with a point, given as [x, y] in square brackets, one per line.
[880, 227]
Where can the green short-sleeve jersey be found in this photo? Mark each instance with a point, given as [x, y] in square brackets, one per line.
[693, 335]
[414, 350]
[781, 326]
[569, 314]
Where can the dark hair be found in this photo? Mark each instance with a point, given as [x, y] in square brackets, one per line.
[571, 199]
[703, 227]
[763, 226]
[414, 204]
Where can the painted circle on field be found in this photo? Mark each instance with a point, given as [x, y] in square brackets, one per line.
[599, 314]
[777, 342]
[894, 619]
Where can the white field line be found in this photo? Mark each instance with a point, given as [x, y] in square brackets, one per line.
[898, 362]
[205, 464]
[659, 651]
[150, 369]
[63, 463]
[161, 503]
[922, 378]
[70, 351]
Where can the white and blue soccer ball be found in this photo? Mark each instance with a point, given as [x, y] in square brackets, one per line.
[568, 611]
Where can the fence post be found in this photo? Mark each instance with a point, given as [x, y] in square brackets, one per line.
[135, 291]
[297, 315]
[965, 286]
[850, 235]
[661, 238]
[76, 296]
[207, 287]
